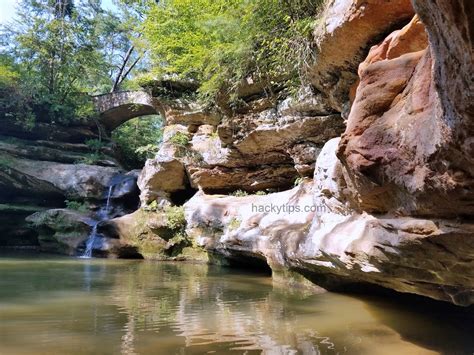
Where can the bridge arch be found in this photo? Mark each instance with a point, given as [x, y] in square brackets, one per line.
[119, 107]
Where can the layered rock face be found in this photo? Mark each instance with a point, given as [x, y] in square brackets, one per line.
[48, 167]
[347, 29]
[391, 200]
[265, 144]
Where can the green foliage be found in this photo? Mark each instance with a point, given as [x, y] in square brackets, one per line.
[15, 100]
[90, 159]
[95, 145]
[151, 207]
[148, 150]
[239, 193]
[260, 193]
[180, 138]
[56, 50]
[175, 217]
[139, 139]
[221, 42]
[77, 206]
[176, 221]
[298, 181]
[234, 224]
[5, 163]
[64, 50]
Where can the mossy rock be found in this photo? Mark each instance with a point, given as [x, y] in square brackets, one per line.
[155, 235]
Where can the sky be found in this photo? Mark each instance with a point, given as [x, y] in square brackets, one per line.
[7, 9]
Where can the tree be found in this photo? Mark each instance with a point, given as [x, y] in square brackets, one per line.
[56, 49]
[139, 139]
[126, 49]
[221, 42]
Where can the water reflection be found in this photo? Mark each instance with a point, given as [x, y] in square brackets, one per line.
[128, 307]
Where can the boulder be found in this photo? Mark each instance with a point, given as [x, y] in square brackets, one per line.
[61, 231]
[304, 156]
[186, 112]
[267, 137]
[411, 38]
[164, 174]
[49, 131]
[67, 153]
[450, 28]
[220, 179]
[73, 181]
[149, 234]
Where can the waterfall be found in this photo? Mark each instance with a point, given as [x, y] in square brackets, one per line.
[103, 214]
[90, 243]
[111, 188]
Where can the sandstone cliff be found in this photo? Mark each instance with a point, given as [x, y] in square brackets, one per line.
[390, 201]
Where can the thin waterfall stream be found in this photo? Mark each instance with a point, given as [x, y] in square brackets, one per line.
[103, 214]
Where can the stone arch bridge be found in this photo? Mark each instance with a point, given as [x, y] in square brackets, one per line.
[118, 107]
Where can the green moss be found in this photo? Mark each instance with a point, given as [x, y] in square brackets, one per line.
[175, 217]
[180, 138]
[5, 162]
[90, 159]
[161, 235]
[195, 253]
[20, 208]
[239, 193]
[298, 181]
[151, 207]
[95, 145]
[77, 206]
[234, 224]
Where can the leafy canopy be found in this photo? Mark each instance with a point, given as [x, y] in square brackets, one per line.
[60, 52]
[221, 42]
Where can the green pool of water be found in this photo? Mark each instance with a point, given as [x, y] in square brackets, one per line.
[76, 306]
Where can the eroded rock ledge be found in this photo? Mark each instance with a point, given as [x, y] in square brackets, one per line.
[332, 244]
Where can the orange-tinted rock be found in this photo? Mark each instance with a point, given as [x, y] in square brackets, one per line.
[411, 38]
[220, 179]
[349, 27]
[404, 149]
[450, 27]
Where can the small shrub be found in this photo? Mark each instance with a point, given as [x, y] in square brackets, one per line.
[77, 206]
[5, 163]
[234, 223]
[148, 151]
[239, 193]
[176, 219]
[260, 193]
[95, 145]
[298, 181]
[180, 138]
[89, 159]
[151, 207]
